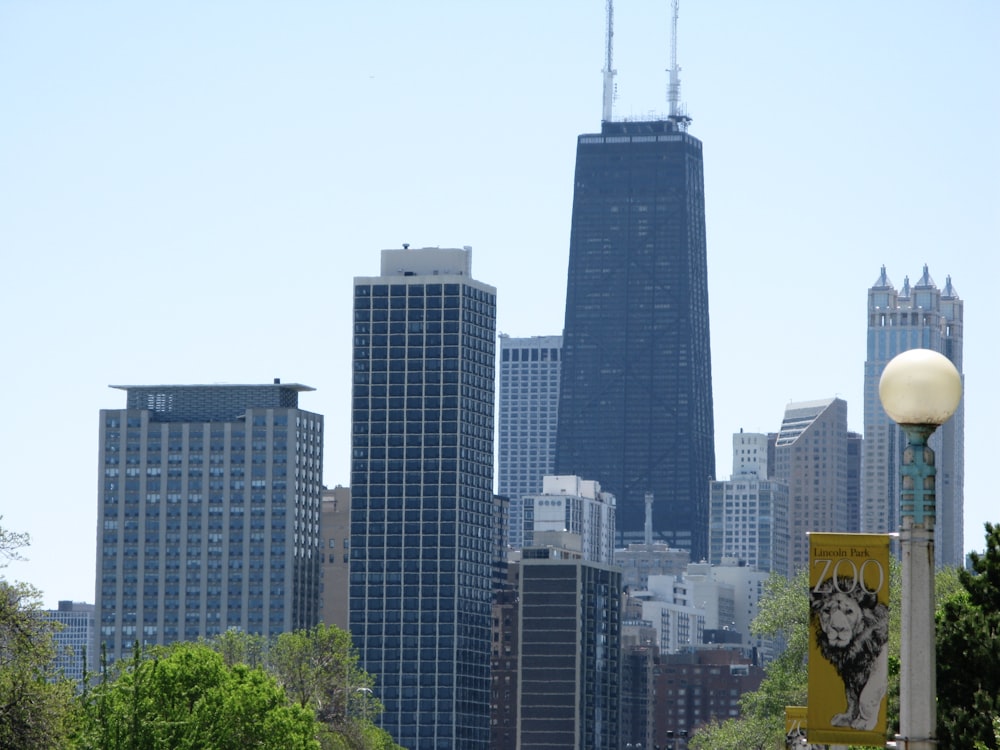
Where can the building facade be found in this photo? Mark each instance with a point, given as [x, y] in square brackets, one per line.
[335, 559]
[749, 512]
[577, 506]
[635, 407]
[917, 317]
[422, 509]
[208, 517]
[74, 640]
[811, 458]
[526, 420]
[569, 666]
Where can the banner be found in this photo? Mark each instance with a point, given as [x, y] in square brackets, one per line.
[795, 726]
[848, 638]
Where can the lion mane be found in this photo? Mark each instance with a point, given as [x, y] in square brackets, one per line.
[852, 632]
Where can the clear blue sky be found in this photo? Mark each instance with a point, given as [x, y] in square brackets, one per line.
[187, 190]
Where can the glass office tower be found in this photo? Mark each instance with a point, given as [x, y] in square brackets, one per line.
[635, 408]
[421, 494]
[208, 517]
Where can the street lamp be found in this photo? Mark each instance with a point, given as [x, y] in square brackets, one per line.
[920, 390]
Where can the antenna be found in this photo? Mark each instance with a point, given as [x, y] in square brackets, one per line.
[609, 71]
[677, 113]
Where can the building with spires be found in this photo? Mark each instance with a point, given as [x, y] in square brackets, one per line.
[811, 458]
[422, 504]
[208, 514]
[526, 421]
[918, 316]
[635, 405]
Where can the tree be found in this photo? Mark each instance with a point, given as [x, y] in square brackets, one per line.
[319, 669]
[185, 697]
[36, 704]
[968, 654]
[10, 543]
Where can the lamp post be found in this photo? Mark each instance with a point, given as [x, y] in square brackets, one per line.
[920, 390]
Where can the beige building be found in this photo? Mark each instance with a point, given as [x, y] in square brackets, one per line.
[335, 559]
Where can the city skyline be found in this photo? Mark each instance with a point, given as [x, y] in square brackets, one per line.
[170, 171]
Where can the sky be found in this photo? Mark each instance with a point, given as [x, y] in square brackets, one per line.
[188, 189]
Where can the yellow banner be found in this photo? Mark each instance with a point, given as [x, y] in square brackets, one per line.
[795, 725]
[848, 638]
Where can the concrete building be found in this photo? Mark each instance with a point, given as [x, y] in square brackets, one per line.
[639, 561]
[811, 458]
[75, 639]
[569, 667]
[924, 317]
[335, 559]
[422, 505]
[577, 506]
[749, 512]
[208, 514]
[526, 420]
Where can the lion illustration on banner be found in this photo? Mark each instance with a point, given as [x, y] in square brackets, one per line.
[852, 632]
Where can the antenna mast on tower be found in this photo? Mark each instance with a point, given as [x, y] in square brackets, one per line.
[677, 112]
[609, 71]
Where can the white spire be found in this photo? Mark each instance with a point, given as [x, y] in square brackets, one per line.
[677, 111]
[609, 71]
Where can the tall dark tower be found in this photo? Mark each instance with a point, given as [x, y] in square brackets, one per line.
[635, 409]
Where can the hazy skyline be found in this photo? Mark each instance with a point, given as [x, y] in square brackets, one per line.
[188, 190]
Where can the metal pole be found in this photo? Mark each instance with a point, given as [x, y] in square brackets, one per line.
[917, 679]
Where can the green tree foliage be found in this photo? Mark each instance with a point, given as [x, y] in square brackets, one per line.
[36, 704]
[185, 697]
[968, 654]
[319, 669]
[783, 614]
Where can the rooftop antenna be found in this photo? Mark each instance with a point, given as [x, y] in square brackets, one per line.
[609, 71]
[678, 115]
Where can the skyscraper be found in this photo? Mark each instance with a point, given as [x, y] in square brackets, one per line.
[635, 408]
[811, 458]
[208, 517]
[924, 317]
[421, 494]
[749, 512]
[526, 420]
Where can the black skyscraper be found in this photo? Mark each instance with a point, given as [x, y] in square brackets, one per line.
[635, 410]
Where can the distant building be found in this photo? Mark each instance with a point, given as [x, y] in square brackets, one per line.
[639, 561]
[569, 669]
[208, 514]
[924, 317]
[526, 420]
[749, 512]
[696, 687]
[748, 587]
[811, 458]
[503, 662]
[335, 559]
[422, 504]
[577, 506]
[74, 641]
